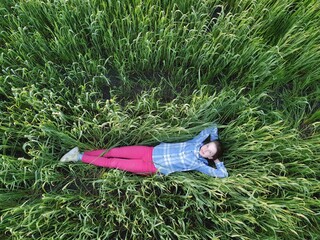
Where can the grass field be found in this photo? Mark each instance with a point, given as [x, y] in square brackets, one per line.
[103, 73]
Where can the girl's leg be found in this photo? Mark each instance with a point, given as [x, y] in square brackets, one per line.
[136, 166]
[135, 159]
[129, 152]
[96, 153]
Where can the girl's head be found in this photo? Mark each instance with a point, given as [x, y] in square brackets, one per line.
[211, 150]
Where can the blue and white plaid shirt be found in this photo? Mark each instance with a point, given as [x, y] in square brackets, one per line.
[185, 156]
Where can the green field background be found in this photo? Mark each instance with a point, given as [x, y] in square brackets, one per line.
[105, 73]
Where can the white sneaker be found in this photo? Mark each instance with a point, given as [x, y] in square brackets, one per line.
[71, 156]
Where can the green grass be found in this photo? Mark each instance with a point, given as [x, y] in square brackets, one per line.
[99, 74]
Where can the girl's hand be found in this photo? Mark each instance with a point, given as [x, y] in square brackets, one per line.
[216, 161]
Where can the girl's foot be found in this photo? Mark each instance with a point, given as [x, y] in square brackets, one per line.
[71, 156]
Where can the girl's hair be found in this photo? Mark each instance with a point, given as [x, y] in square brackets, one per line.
[219, 152]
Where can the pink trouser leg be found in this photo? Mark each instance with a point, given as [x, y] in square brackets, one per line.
[136, 159]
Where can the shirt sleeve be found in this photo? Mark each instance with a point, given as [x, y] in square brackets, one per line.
[219, 172]
[213, 131]
[210, 131]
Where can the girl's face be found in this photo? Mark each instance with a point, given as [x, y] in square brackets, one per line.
[208, 150]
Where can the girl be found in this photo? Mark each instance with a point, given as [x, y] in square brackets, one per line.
[164, 158]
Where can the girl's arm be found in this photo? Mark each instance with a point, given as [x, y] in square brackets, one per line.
[220, 171]
[210, 131]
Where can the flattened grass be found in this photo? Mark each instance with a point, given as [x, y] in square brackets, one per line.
[99, 74]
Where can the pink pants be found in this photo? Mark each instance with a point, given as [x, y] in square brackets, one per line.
[135, 159]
